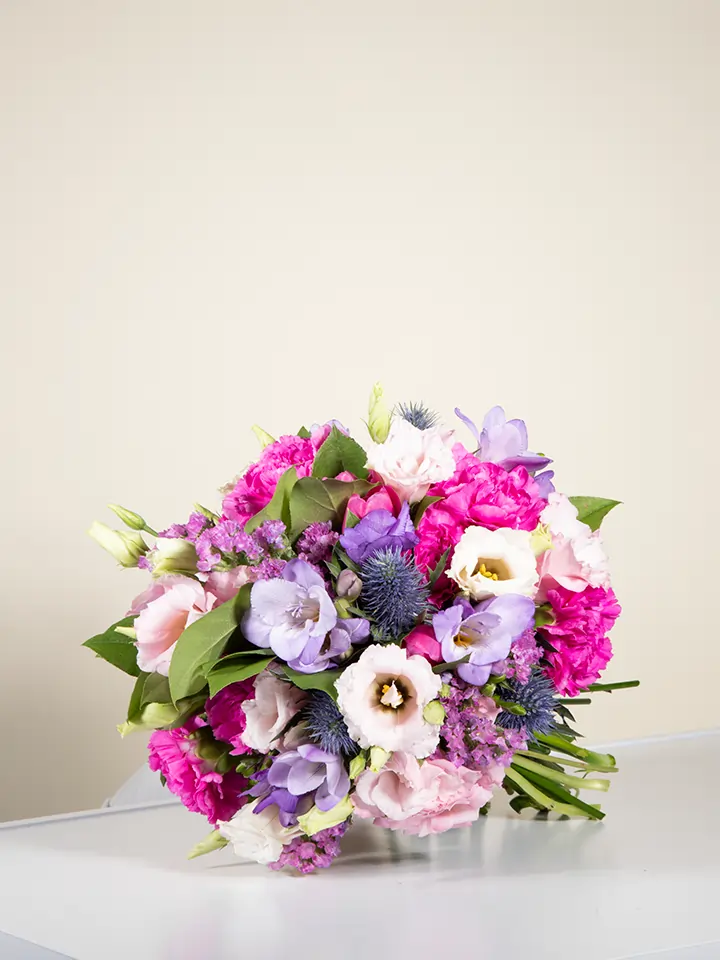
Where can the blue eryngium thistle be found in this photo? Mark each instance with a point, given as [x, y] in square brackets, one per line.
[418, 415]
[537, 697]
[394, 592]
[325, 725]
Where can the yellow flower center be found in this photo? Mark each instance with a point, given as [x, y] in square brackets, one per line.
[391, 696]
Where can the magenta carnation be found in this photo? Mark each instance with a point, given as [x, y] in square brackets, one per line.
[478, 494]
[578, 637]
[255, 488]
[226, 715]
[191, 778]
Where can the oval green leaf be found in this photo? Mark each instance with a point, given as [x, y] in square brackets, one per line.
[592, 510]
[116, 648]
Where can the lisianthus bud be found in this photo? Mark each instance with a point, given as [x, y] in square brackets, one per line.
[213, 841]
[174, 556]
[127, 548]
[349, 585]
[378, 415]
[434, 712]
[128, 517]
[378, 758]
[155, 716]
[357, 765]
[316, 820]
[263, 436]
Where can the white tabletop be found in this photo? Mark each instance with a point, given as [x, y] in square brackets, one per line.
[113, 884]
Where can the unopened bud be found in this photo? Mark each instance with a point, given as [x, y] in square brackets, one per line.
[174, 556]
[349, 585]
[263, 436]
[434, 712]
[378, 758]
[127, 548]
[128, 517]
[379, 415]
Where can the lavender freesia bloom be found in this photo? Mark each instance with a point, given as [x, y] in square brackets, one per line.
[319, 653]
[379, 529]
[292, 614]
[544, 481]
[504, 441]
[298, 778]
[484, 631]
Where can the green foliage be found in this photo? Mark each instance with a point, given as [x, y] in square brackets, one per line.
[438, 569]
[237, 667]
[116, 648]
[419, 509]
[339, 452]
[320, 501]
[202, 645]
[314, 681]
[592, 510]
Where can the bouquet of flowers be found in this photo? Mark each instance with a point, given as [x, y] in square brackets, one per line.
[391, 631]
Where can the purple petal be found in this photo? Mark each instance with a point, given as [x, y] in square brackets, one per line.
[470, 425]
[531, 461]
[471, 673]
[544, 482]
[305, 776]
[514, 612]
[300, 572]
[446, 623]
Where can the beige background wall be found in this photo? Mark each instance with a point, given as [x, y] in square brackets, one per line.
[225, 212]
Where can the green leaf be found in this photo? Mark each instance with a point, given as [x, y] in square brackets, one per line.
[213, 841]
[609, 687]
[279, 506]
[351, 520]
[202, 644]
[133, 713]
[223, 674]
[149, 688]
[320, 501]
[314, 681]
[303, 433]
[420, 508]
[544, 616]
[592, 510]
[439, 568]
[339, 452]
[116, 648]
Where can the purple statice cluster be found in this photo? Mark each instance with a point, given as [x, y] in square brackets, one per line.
[309, 854]
[469, 736]
[525, 653]
[224, 543]
[316, 544]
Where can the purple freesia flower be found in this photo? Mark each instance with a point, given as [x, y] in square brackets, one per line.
[298, 778]
[544, 481]
[292, 614]
[379, 529]
[504, 441]
[336, 643]
[485, 632]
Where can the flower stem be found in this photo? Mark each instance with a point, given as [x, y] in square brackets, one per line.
[522, 785]
[601, 760]
[565, 762]
[575, 700]
[575, 783]
[609, 687]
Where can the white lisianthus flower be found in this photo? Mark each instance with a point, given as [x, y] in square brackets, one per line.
[258, 836]
[494, 563]
[382, 698]
[411, 460]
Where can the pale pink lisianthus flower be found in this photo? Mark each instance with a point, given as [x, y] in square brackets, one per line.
[159, 625]
[382, 697]
[420, 799]
[411, 460]
[577, 558]
[156, 589]
[224, 584]
[276, 703]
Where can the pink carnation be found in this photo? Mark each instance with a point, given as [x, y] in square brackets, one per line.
[478, 494]
[420, 799]
[226, 715]
[191, 778]
[580, 647]
[255, 488]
